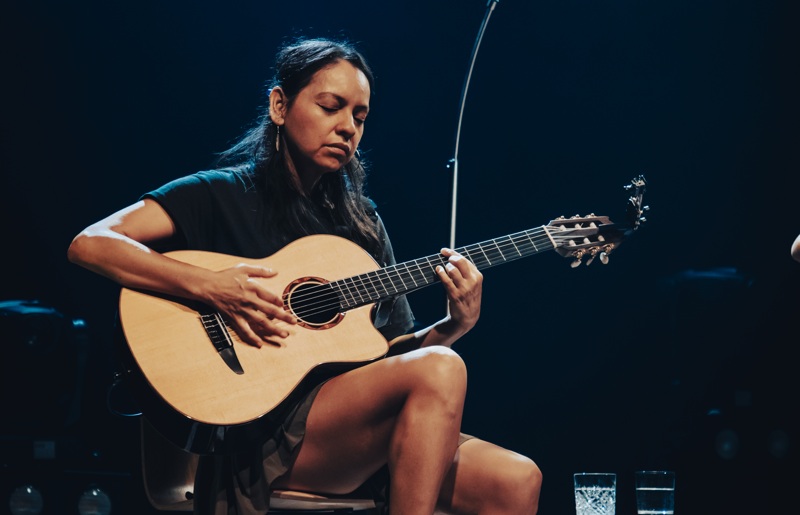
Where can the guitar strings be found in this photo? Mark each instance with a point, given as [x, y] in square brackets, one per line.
[323, 298]
[407, 272]
[329, 301]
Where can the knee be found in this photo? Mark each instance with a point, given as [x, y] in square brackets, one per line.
[438, 375]
[522, 483]
[534, 483]
[439, 368]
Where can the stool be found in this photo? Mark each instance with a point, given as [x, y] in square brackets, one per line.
[168, 474]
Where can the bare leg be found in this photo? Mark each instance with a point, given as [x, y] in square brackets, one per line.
[488, 480]
[403, 410]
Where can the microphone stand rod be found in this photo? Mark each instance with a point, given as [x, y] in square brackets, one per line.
[454, 162]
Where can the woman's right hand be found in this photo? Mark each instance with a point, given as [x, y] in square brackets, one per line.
[257, 313]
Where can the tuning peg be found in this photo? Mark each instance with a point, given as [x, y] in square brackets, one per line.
[592, 254]
[604, 258]
[638, 181]
[578, 257]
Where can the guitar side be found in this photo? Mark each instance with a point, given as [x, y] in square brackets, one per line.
[171, 349]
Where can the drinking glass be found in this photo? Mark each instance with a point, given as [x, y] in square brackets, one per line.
[595, 493]
[655, 492]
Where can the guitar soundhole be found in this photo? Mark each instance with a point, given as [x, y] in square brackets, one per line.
[313, 302]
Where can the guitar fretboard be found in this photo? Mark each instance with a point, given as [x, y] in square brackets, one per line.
[409, 276]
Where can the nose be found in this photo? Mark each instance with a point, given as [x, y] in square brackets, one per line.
[346, 126]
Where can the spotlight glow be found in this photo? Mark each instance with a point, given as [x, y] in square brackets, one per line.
[26, 500]
[94, 502]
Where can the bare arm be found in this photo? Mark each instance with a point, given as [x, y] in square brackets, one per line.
[117, 247]
[463, 283]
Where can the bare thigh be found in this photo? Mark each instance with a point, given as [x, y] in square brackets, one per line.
[352, 419]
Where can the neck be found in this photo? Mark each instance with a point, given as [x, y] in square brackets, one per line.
[303, 180]
[306, 182]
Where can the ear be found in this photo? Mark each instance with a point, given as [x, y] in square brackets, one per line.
[277, 105]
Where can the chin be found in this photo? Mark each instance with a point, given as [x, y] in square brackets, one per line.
[332, 166]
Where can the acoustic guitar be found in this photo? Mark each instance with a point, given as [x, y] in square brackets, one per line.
[209, 392]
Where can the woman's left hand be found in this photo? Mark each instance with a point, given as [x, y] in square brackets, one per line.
[463, 283]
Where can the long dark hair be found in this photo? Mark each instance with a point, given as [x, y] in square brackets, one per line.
[339, 194]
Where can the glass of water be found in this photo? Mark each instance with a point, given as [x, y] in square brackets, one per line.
[655, 492]
[595, 493]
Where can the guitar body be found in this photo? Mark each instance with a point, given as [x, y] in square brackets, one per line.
[179, 365]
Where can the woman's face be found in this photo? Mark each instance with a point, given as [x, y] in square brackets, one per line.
[323, 124]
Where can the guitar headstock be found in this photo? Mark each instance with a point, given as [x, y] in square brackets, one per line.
[595, 236]
[635, 207]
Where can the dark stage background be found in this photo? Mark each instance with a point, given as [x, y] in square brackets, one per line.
[677, 354]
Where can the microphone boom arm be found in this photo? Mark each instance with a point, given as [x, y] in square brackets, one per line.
[454, 161]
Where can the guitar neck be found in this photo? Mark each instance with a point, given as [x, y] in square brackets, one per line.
[391, 281]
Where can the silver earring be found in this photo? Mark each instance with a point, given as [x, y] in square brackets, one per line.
[278, 138]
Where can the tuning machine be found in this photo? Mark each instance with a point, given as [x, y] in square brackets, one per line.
[595, 252]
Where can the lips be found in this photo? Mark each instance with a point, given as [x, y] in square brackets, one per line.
[343, 147]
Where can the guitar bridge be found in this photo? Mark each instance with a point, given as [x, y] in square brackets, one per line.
[217, 332]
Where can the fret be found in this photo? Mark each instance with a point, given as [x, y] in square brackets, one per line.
[395, 278]
[494, 252]
[371, 288]
[406, 286]
[410, 275]
[348, 283]
[509, 238]
[432, 267]
[421, 272]
[499, 250]
[383, 284]
[387, 287]
[362, 287]
[464, 251]
[527, 233]
[424, 271]
[488, 261]
[342, 295]
[388, 280]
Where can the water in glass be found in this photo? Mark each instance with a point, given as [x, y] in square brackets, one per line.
[595, 500]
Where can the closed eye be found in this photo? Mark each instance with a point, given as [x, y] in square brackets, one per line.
[360, 115]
